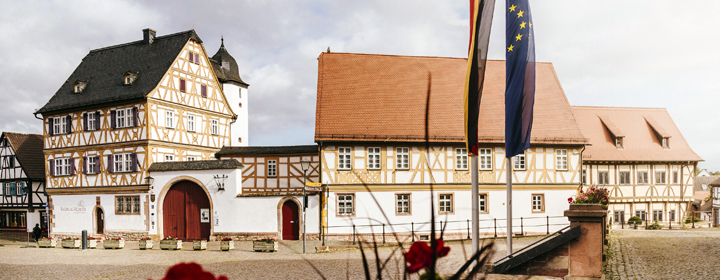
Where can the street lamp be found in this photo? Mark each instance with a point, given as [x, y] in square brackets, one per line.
[304, 164]
[149, 180]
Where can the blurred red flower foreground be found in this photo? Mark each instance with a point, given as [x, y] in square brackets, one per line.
[190, 271]
[420, 255]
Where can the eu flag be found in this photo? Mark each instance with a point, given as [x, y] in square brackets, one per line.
[519, 76]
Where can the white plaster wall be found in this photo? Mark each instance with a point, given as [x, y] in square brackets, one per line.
[236, 96]
[74, 213]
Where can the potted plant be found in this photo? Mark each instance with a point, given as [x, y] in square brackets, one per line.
[71, 243]
[170, 243]
[200, 244]
[597, 196]
[227, 244]
[265, 244]
[146, 243]
[47, 242]
[634, 221]
[114, 243]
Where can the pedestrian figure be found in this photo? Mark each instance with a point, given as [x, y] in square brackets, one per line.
[37, 232]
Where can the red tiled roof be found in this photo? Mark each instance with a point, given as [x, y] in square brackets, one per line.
[28, 149]
[639, 126]
[365, 97]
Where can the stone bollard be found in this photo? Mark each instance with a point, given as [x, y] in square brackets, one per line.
[586, 252]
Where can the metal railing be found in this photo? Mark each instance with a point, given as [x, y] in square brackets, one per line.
[689, 219]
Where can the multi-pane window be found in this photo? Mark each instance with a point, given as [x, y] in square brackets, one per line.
[461, 159]
[124, 118]
[214, 126]
[403, 203]
[660, 177]
[373, 160]
[538, 204]
[62, 166]
[122, 162]
[402, 158]
[519, 161]
[60, 125]
[672, 215]
[194, 58]
[485, 159]
[191, 123]
[91, 119]
[619, 216]
[8, 188]
[169, 158]
[272, 168]
[127, 204]
[584, 176]
[675, 177]
[624, 177]
[169, 118]
[603, 178]
[657, 215]
[345, 204]
[482, 203]
[445, 203]
[92, 165]
[344, 159]
[642, 214]
[642, 177]
[561, 159]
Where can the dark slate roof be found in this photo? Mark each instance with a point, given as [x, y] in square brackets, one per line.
[707, 181]
[274, 150]
[225, 67]
[28, 149]
[103, 70]
[195, 165]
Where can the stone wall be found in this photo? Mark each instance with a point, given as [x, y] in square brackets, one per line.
[552, 263]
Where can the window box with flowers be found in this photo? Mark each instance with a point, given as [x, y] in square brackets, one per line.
[71, 243]
[47, 242]
[170, 243]
[265, 244]
[200, 244]
[592, 199]
[227, 244]
[114, 243]
[146, 243]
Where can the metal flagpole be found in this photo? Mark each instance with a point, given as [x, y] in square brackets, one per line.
[509, 206]
[475, 204]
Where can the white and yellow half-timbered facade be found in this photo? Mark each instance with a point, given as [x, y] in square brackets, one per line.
[641, 157]
[381, 159]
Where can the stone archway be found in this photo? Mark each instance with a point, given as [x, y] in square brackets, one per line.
[196, 189]
[283, 221]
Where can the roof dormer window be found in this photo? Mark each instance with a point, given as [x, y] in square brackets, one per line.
[129, 78]
[619, 142]
[666, 143]
[79, 86]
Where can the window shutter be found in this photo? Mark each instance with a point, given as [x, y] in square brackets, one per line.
[191, 56]
[69, 125]
[52, 167]
[203, 91]
[85, 165]
[197, 58]
[134, 162]
[13, 191]
[50, 126]
[85, 121]
[97, 164]
[182, 85]
[112, 119]
[72, 166]
[97, 120]
[135, 116]
[110, 167]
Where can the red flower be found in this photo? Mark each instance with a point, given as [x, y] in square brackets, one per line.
[420, 255]
[569, 199]
[190, 271]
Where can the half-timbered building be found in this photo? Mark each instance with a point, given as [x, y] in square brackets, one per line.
[390, 132]
[642, 158]
[124, 108]
[22, 179]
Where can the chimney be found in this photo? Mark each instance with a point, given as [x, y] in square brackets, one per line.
[148, 36]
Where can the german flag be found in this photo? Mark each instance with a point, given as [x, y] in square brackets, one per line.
[481, 13]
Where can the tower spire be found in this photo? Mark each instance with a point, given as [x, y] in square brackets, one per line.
[222, 42]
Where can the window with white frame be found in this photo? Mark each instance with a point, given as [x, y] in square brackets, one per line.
[603, 178]
[191, 158]
[191, 123]
[60, 125]
[483, 203]
[373, 159]
[8, 188]
[91, 119]
[485, 159]
[519, 161]
[122, 162]
[461, 159]
[345, 206]
[169, 118]
[584, 176]
[127, 204]
[92, 165]
[402, 158]
[642, 177]
[403, 203]
[214, 126]
[344, 159]
[124, 118]
[624, 177]
[538, 203]
[62, 166]
[657, 215]
[561, 159]
[642, 214]
[659, 177]
[445, 203]
[672, 215]
[169, 158]
[272, 168]
[619, 216]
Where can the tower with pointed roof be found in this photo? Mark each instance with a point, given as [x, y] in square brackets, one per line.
[236, 92]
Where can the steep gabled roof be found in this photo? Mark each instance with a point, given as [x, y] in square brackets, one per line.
[640, 142]
[365, 97]
[28, 149]
[268, 150]
[103, 70]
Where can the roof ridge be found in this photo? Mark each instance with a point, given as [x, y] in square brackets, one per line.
[20, 133]
[141, 41]
[420, 56]
[617, 107]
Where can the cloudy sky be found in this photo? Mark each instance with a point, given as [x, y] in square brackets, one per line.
[606, 53]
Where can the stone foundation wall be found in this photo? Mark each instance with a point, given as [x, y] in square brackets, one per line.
[127, 235]
[554, 263]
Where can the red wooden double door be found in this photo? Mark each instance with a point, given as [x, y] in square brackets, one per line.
[182, 212]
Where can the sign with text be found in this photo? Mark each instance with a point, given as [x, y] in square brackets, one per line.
[312, 184]
[313, 188]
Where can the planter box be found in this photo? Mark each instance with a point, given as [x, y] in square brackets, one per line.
[114, 244]
[227, 245]
[92, 243]
[261, 246]
[72, 244]
[200, 245]
[48, 243]
[171, 244]
[146, 244]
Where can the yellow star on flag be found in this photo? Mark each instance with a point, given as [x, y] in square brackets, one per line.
[512, 8]
[510, 48]
[531, 25]
[518, 37]
[522, 25]
[520, 13]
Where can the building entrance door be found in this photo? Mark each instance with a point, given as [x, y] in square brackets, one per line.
[182, 208]
[99, 221]
[290, 221]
